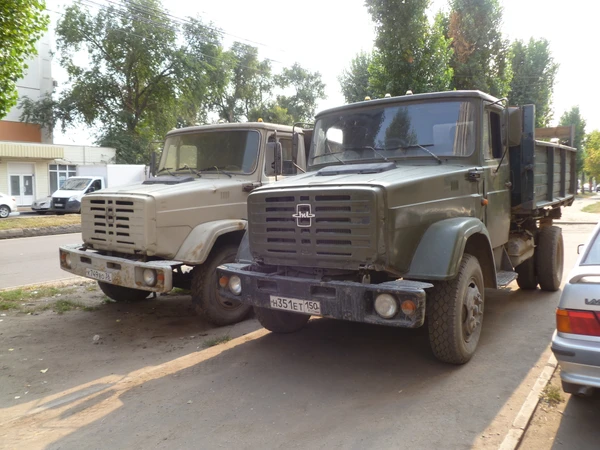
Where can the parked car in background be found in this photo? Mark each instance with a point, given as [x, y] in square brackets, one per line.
[42, 205]
[576, 341]
[7, 205]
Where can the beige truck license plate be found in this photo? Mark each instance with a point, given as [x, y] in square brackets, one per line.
[295, 305]
[98, 275]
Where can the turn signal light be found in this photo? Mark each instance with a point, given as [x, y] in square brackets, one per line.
[578, 322]
[223, 281]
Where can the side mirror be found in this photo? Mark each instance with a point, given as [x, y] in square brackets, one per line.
[275, 149]
[90, 189]
[514, 121]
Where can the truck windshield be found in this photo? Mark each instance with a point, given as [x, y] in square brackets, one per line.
[433, 130]
[230, 151]
[76, 184]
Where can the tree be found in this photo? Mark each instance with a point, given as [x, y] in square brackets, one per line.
[410, 53]
[249, 83]
[308, 89]
[355, 81]
[592, 149]
[534, 71]
[573, 117]
[131, 87]
[22, 24]
[480, 59]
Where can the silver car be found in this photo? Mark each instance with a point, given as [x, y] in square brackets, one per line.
[576, 341]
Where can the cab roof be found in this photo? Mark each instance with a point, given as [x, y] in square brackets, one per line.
[410, 98]
[235, 126]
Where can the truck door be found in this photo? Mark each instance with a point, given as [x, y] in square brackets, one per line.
[289, 165]
[496, 178]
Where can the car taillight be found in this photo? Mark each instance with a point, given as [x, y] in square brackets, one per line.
[578, 322]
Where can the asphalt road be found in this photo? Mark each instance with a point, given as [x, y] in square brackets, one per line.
[331, 385]
[32, 260]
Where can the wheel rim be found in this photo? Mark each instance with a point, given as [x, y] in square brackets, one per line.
[4, 211]
[227, 304]
[472, 310]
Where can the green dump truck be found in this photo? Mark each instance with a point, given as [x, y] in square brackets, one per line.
[174, 229]
[410, 208]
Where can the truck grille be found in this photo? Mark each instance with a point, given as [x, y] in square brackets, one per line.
[114, 224]
[59, 203]
[310, 228]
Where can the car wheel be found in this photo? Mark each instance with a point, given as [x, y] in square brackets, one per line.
[4, 211]
[527, 279]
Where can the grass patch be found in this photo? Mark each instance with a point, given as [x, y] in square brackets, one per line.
[179, 291]
[40, 222]
[216, 341]
[15, 298]
[593, 208]
[551, 395]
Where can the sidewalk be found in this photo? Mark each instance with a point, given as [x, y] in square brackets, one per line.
[574, 213]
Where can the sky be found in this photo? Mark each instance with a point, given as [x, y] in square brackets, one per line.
[324, 36]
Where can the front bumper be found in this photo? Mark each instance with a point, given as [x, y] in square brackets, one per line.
[72, 206]
[122, 271]
[579, 359]
[344, 300]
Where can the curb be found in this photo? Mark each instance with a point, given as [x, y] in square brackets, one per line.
[44, 231]
[62, 282]
[519, 426]
[560, 222]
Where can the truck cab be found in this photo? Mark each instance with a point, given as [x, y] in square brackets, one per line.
[411, 207]
[174, 229]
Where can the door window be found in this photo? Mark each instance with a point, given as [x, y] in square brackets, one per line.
[15, 185]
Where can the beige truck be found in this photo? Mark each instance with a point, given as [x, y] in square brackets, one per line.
[175, 229]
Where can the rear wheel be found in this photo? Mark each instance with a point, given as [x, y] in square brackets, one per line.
[280, 321]
[527, 279]
[456, 313]
[121, 293]
[549, 256]
[205, 295]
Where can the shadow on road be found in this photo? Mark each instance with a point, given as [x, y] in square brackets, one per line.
[579, 424]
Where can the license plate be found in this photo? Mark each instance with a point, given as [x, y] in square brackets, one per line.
[295, 305]
[98, 275]
[58, 204]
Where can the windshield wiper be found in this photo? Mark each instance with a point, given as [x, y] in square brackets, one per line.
[207, 169]
[424, 149]
[166, 169]
[185, 166]
[329, 154]
[375, 150]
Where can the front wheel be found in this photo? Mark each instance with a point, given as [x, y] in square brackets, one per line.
[121, 293]
[280, 321]
[456, 313]
[4, 211]
[205, 296]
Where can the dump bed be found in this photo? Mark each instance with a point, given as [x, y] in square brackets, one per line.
[543, 174]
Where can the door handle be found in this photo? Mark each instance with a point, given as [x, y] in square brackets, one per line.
[474, 174]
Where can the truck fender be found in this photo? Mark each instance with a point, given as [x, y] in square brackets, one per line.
[197, 246]
[441, 248]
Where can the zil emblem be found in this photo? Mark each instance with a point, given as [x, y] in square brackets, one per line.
[303, 215]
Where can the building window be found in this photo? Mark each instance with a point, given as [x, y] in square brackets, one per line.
[59, 173]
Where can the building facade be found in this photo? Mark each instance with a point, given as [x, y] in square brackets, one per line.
[31, 167]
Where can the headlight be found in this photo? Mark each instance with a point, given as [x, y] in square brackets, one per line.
[386, 306]
[149, 277]
[72, 199]
[235, 285]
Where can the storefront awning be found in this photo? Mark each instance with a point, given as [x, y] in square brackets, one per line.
[31, 151]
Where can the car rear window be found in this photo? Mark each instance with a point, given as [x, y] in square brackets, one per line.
[592, 256]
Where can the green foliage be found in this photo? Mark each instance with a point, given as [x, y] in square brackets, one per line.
[534, 71]
[22, 23]
[410, 53]
[355, 81]
[573, 117]
[146, 74]
[592, 156]
[481, 55]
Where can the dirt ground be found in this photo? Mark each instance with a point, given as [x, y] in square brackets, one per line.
[36, 340]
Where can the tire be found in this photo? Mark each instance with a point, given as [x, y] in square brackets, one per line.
[280, 321]
[121, 293]
[208, 303]
[527, 279]
[4, 211]
[549, 256]
[456, 313]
